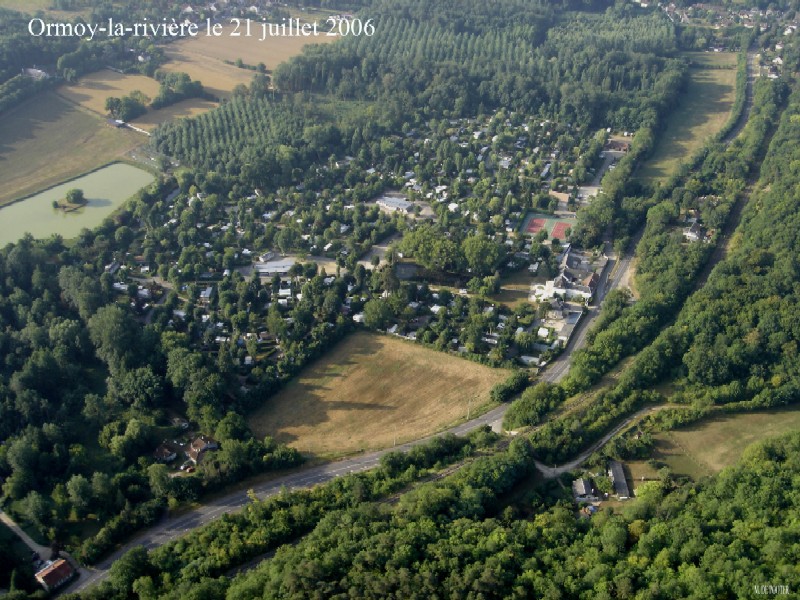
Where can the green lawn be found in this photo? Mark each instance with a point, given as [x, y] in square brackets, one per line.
[703, 110]
[707, 447]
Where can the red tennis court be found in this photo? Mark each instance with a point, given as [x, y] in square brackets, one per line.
[535, 226]
[560, 231]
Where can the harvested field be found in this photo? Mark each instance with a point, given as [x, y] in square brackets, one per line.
[92, 91]
[372, 390]
[203, 58]
[47, 140]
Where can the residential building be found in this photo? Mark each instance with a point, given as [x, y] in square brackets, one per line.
[54, 575]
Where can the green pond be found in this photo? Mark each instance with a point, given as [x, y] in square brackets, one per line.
[105, 190]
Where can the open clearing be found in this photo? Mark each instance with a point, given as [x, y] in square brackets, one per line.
[93, 89]
[33, 6]
[370, 390]
[703, 109]
[713, 444]
[47, 140]
[203, 57]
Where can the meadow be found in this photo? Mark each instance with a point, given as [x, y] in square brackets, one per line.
[709, 446]
[704, 108]
[371, 391]
[92, 90]
[47, 140]
[203, 58]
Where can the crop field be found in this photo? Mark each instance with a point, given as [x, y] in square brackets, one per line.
[704, 108]
[555, 227]
[370, 391]
[203, 58]
[709, 446]
[47, 140]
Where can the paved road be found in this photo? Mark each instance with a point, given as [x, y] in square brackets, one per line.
[172, 527]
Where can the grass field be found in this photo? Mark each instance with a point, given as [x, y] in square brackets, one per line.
[32, 6]
[704, 108]
[93, 89]
[707, 447]
[555, 227]
[371, 390]
[47, 140]
[515, 288]
[203, 57]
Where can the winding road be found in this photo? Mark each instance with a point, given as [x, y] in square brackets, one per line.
[172, 527]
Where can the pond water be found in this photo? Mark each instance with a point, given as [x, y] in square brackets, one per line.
[105, 190]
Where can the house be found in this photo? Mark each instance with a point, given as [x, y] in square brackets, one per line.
[165, 453]
[617, 475]
[618, 146]
[54, 575]
[199, 446]
[583, 490]
[206, 295]
[694, 233]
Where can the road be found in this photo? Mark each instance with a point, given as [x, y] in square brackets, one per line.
[172, 527]
[44, 552]
[553, 472]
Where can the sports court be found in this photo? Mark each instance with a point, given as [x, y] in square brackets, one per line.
[556, 227]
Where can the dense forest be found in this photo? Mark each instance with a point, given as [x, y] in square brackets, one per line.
[495, 105]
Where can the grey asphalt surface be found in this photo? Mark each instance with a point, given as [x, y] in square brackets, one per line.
[173, 527]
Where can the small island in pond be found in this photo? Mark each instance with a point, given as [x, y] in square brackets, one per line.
[72, 201]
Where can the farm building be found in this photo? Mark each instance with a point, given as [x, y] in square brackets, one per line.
[583, 490]
[617, 476]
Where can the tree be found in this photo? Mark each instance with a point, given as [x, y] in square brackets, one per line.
[115, 335]
[141, 389]
[75, 196]
[36, 510]
[159, 479]
[376, 314]
[482, 254]
[80, 493]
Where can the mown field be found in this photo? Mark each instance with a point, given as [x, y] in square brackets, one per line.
[370, 390]
[204, 57]
[47, 140]
[705, 107]
[711, 445]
